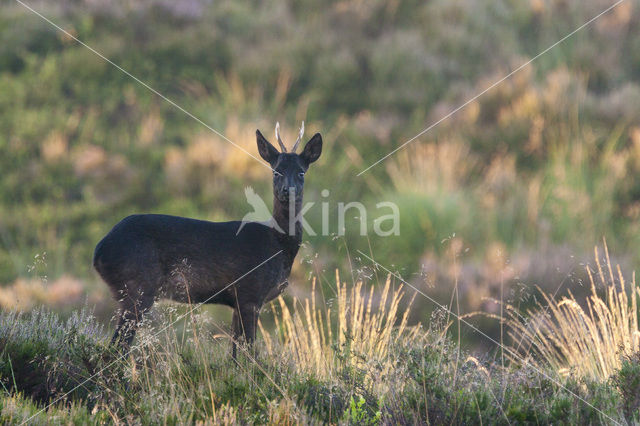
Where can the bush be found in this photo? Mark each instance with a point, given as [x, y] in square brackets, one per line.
[627, 380]
[43, 357]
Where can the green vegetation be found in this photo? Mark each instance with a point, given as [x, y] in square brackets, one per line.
[547, 158]
[500, 205]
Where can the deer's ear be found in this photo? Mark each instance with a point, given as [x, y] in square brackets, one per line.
[312, 149]
[266, 150]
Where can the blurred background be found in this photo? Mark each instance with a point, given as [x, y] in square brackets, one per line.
[512, 192]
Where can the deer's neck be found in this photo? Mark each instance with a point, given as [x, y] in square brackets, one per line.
[285, 215]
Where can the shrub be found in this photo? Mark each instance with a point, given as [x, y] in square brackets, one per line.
[627, 380]
[44, 357]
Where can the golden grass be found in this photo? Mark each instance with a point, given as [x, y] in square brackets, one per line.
[366, 327]
[582, 341]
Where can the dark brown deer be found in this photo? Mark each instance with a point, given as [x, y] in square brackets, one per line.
[239, 264]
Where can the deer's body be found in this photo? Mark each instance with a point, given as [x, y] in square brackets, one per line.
[147, 257]
[190, 260]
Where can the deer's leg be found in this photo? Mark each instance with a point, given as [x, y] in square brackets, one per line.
[131, 314]
[237, 331]
[249, 318]
[126, 329]
[245, 323]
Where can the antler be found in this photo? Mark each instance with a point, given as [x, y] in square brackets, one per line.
[295, 146]
[282, 147]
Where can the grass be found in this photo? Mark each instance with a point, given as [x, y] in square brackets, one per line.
[350, 359]
[363, 337]
[544, 164]
[587, 340]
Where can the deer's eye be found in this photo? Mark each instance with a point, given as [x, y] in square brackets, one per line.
[277, 173]
[301, 174]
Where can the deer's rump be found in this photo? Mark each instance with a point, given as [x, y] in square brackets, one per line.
[188, 260]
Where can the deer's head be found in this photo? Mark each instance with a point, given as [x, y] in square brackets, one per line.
[289, 168]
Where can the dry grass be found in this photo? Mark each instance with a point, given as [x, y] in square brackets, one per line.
[321, 340]
[583, 341]
[367, 326]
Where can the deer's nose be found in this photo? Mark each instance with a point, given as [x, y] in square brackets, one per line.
[288, 191]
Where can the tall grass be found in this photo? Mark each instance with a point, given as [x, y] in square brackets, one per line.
[585, 340]
[361, 331]
[351, 361]
[188, 372]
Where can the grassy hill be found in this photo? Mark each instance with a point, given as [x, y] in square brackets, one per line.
[500, 204]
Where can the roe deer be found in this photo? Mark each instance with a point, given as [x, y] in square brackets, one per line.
[150, 256]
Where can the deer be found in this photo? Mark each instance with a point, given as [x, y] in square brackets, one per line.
[243, 265]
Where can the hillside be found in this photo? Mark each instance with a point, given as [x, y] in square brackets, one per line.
[506, 134]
